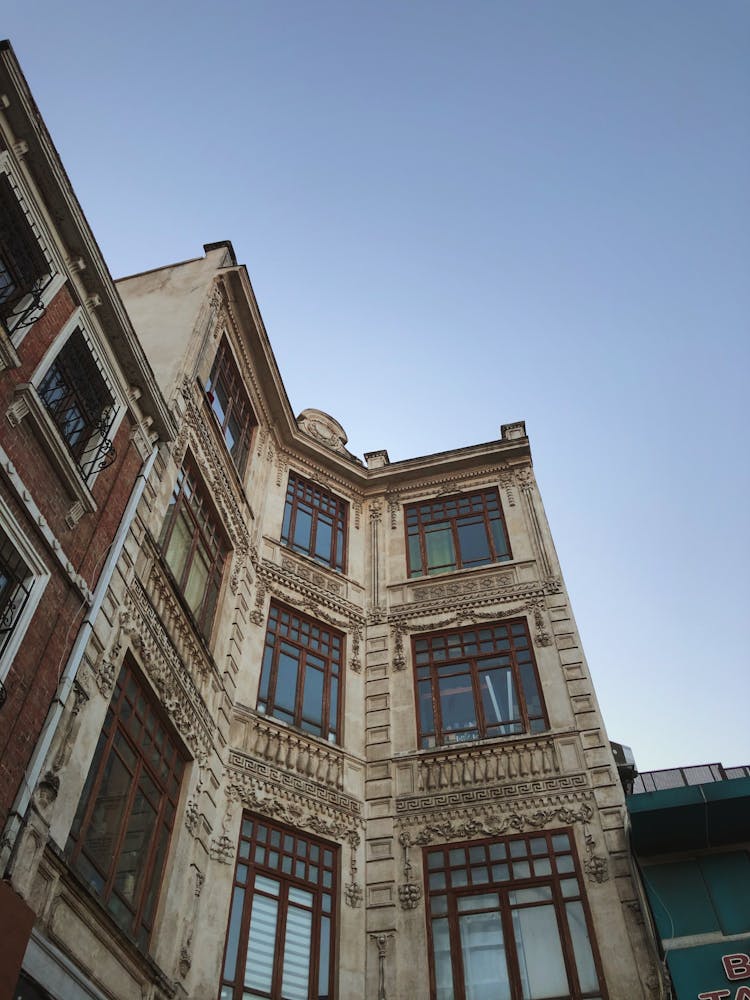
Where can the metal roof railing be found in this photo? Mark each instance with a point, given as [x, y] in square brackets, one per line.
[683, 777]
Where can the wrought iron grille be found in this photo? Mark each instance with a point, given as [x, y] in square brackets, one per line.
[25, 271]
[15, 587]
[80, 400]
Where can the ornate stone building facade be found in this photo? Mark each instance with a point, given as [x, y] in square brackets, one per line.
[342, 740]
[334, 733]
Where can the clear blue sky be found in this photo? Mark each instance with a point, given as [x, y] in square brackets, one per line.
[457, 215]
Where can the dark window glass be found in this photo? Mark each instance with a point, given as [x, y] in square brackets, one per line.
[231, 405]
[455, 533]
[80, 401]
[280, 932]
[15, 587]
[515, 931]
[315, 522]
[477, 683]
[24, 270]
[194, 548]
[120, 834]
[302, 665]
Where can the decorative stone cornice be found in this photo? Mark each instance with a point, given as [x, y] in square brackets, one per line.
[162, 664]
[497, 820]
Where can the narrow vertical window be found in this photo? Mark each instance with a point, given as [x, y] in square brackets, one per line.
[231, 405]
[24, 269]
[315, 523]
[280, 934]
[120, 835]
[195, 548]
[300, 679]
[78, 397]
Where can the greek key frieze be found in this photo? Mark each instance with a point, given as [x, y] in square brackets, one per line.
[242, 765]
[569, 783]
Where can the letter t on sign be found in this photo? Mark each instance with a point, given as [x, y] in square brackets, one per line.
[736, 966]
[714, 995]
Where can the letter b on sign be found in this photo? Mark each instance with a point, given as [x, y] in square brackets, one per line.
[736, 966]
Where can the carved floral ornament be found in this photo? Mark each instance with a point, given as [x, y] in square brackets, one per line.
[493, 822]
[140, 626]
[294, 810]
[313, 594]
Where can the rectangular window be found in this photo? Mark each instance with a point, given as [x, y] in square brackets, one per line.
[80, 401]
[15, 589]
[300, 679]
[231, 405]
[451, 533]
[281, 930]
[194, 548]
[24, 269]
[121, 831]
[315, 523]
[477, 683]
[508, 920]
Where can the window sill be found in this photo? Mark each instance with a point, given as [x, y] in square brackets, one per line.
[27, 404]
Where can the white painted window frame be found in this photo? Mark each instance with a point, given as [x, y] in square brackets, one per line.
[37, 578]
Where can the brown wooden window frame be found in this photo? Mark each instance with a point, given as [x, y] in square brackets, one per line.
[449, 517]
[299, 864]
[317, 647]
[189, 504]
[322, 509]
[523, 872]
[135, 740]
[225, 380]
[465, 657]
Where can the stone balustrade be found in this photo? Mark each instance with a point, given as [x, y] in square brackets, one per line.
[460, 767]
[293, 753]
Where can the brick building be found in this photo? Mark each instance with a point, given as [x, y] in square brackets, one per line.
[335, 734]
[81, 412]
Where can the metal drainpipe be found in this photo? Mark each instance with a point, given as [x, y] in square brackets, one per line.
[17, 815]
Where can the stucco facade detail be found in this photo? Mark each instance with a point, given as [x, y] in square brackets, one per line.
[382, 786]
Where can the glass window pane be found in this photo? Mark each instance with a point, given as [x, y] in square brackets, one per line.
[302, 530]
[324, 965]
[441, 950]
[179, 545]
[323, 538]
[439, 544]
[233, 934]
[286, 681]
[312, 699]
[483, 952]
[581, 946]
[499, 539]
[134, 852]
[107, 817]
[195, 585]
[540, 957]
[457, 703]
[474, 546]
[296, 969]
[261, 945]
